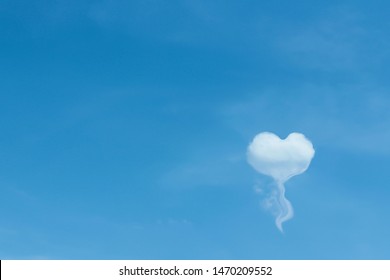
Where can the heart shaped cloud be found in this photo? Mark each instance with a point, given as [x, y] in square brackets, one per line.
[280, 159]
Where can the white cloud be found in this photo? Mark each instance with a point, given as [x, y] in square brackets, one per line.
[281, 160]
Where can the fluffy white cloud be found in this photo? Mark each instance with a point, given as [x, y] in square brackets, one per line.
[280, 159]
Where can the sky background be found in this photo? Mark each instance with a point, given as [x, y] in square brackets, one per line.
[124, 127]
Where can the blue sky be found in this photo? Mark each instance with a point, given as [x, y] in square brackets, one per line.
[124, 128]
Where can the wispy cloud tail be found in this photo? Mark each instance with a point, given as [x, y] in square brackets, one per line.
[286, 211]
